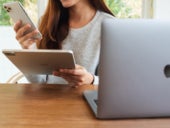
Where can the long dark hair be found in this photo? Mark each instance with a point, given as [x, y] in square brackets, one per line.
[54, 24]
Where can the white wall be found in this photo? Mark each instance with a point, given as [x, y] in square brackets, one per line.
[161, 9]
[8, 41]
[41, 7]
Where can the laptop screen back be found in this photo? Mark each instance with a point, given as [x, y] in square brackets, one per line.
[134, 61]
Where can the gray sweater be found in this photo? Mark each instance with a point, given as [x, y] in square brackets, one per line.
[85, 44]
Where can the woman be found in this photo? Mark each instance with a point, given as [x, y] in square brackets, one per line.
[73, 25]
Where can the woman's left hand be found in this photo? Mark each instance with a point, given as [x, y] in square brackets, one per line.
[75, 77]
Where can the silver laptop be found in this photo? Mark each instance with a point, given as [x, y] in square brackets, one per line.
[40, 61]
[134, 70]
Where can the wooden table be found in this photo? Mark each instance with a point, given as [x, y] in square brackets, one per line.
[57, 106]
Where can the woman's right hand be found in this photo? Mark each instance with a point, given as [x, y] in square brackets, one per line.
[25, 40]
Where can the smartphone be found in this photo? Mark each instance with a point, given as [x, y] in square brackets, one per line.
[17, 12]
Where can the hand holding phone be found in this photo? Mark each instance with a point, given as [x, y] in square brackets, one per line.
[17, 12]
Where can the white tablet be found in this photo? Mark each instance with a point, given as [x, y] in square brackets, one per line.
[40, 61]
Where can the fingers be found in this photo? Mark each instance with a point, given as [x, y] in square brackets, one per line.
[28, 43]
[27, 40]
[78, 76]
[77, 72]
[74, 80]
[17, 26]
[20, 32]
[24, 37]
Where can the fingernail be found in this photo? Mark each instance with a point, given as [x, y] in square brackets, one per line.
[28, 25]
